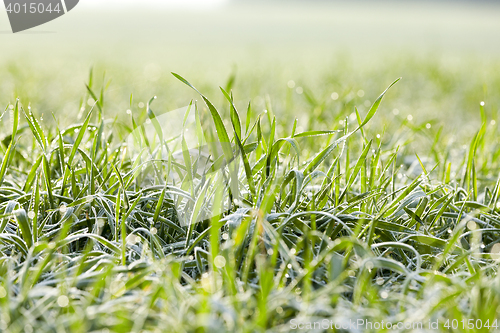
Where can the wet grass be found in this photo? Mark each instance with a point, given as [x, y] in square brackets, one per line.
[240, 218]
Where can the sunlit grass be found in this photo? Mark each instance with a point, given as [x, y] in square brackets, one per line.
[341, 214]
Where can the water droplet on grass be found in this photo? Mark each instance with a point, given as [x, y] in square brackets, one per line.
[63, 301]
[495, 251]
[471, 225]
[220, 261]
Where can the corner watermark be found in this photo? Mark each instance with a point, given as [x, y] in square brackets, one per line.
[27, 14]
[357, 325]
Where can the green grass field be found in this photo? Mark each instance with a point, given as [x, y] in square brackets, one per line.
[358, 209]
[261, 193]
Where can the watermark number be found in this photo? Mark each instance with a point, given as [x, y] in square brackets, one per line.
[33, 8]
[470, 324]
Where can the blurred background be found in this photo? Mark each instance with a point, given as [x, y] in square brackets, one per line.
[299, 54]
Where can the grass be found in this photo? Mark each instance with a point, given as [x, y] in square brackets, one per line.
[238, 219]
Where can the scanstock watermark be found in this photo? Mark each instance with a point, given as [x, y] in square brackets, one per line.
[26, 14]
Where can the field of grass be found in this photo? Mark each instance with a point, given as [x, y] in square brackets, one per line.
[272, 185]
[316, 200]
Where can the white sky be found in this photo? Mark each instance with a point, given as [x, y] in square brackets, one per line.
[154, 3]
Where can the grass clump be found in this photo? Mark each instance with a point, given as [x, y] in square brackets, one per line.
[241, 225]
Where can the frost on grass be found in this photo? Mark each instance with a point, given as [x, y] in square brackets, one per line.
[220, 219]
